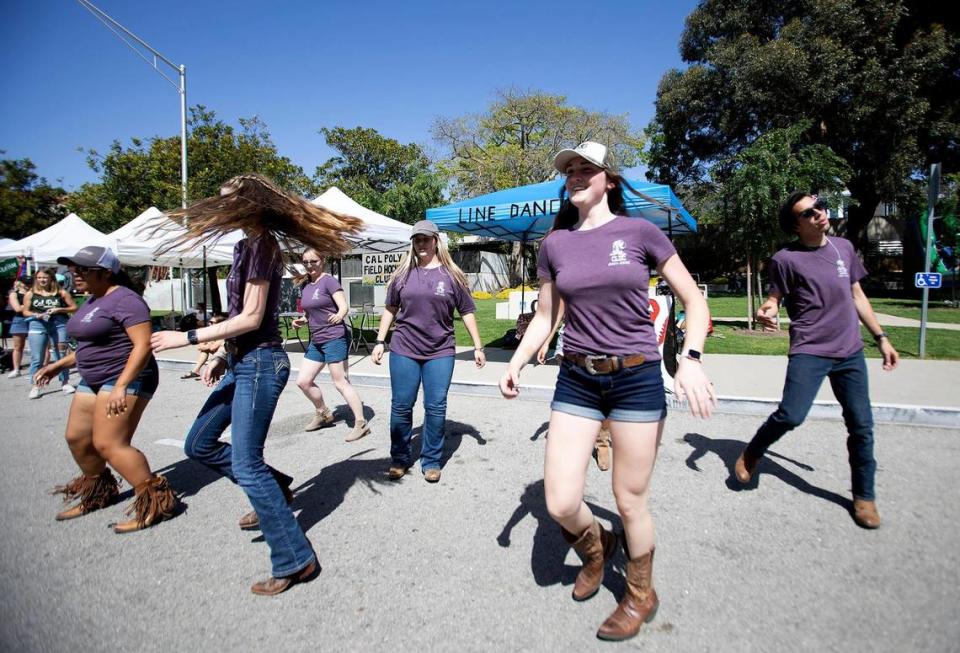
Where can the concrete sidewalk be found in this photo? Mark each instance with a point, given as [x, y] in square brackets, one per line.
[917, 392]
[883, 318]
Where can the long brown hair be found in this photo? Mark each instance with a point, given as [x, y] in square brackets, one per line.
[256, 205]
[569, 215]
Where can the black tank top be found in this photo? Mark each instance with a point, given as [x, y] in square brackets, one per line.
[42, 303]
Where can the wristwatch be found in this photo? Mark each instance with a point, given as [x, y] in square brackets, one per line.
[693, 355]
[880, 336]
[192, 337]
[379, 342]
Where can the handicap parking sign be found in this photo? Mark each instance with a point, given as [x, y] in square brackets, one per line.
[927, 280]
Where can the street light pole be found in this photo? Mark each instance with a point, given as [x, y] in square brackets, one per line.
[154, 62]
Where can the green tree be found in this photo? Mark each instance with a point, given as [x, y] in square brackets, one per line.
[147, 172]
[750, 187]
[27, 202]
[380, 173]
[514, 141]
[877, 79]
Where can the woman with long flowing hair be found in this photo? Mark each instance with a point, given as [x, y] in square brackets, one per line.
[421, 297]
[118, 376]
[47, 307]
[325, 306]
[598, 261]
[253, 367]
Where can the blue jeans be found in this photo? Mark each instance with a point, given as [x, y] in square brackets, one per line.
[246, 397]
[848, 378]
[42, 333]
[406, 374]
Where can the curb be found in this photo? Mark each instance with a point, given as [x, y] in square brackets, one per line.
[936, 416]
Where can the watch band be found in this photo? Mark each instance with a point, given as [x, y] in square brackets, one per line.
[192, 337]
[880, 336]
[694, 355]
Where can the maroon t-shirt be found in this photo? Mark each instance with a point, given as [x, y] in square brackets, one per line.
[427, 298]
[316, 300]
[99, 327]
[603, 276]
[253, 260]
[815, 284]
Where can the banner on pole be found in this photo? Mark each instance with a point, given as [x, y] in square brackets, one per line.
[378, 266]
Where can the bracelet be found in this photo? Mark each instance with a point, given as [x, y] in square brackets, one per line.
[880, 336]
[478, 349]
[379, 342]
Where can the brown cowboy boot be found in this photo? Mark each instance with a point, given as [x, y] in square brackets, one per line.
[93, 492]
[273, 585]
[154, 502]
[320, 419]
[745, 467]
[603, 449]
[251, 521]
[639, 604]
[595, 546]
[865, 513]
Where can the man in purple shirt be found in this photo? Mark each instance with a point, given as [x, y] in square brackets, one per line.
[818, 280]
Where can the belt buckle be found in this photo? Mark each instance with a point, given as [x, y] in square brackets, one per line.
[588, 363]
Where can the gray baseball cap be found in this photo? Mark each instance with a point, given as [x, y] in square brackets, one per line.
[425, 228]
[93, 257]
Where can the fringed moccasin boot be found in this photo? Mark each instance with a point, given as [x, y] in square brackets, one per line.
[155, 501]
[90, 492]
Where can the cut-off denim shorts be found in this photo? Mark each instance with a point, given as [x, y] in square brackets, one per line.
[143, 386]
[633, 394]
[331, 351]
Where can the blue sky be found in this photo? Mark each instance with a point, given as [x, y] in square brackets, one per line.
[299, 66]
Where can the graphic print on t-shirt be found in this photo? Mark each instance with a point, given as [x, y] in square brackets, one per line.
[440, 290]
[618, 255]
[89, 316]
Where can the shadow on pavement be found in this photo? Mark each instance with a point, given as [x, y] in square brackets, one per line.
[187, 477]
[729, 450]
[319, 496]
[550, 549]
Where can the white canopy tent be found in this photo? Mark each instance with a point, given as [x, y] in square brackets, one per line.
[136, 243]
[379, 234]
[64, 238]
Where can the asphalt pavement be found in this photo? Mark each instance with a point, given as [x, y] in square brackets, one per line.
[474, 563]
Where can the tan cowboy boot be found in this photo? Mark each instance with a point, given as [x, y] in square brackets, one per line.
[154, 502]
[639, 604]
[360, 429]
[320, 419]
[595, 546]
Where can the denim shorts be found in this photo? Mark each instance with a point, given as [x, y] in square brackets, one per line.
[633, 394]
[19, 326]
[143, 386]
[331, 351]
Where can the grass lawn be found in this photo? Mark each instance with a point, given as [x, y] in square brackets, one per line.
[938, 311]
[734, 338]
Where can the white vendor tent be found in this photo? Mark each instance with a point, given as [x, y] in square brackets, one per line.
[136, 243]
[64, 238]
[379, 233]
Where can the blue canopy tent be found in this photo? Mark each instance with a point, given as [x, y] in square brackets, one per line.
[526, 213]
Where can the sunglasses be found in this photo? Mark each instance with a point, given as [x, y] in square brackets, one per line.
[818, 206]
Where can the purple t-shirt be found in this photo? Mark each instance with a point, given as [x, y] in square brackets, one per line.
[99, 327]
[256, 260]
[426, 298]
[603, 276]
[816, 288]
[316, 299]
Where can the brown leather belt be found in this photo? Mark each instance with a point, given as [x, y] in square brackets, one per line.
[604, 364]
